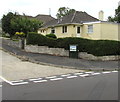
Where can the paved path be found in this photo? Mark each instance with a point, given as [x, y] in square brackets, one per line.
[62, 61]
[15, 69]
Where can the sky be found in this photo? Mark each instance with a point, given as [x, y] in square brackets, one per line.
[35, 7]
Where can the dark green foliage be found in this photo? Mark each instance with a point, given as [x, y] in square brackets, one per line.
[116, 18]
[40, 40]
[6, 23]
[103, 47]
[62, 11]
[13, 22]
[95, 47]
[51, 35]
[24, 24]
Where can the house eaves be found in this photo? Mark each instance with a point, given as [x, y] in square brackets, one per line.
[58, 25]
[92, 22]
[101, 22]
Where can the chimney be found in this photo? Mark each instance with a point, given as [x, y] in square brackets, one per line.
[101, 15]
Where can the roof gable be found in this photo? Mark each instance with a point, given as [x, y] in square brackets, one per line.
[83, 17]
[74, 17]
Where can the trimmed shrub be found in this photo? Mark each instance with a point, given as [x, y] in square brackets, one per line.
[39, 39]
[51, 36]
[104, 47]
[95, 47]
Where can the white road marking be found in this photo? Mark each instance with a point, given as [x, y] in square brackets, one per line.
[65, 75]
[106, 72]
[35, 79]
[56, 79]
[78, 73]
[51, 77]
[89, 72]
[95, 73]
[9, 82]
[17, 81]
[114, 71]
[39, 81]
[84, 75]
[71, 77]
[6, 80]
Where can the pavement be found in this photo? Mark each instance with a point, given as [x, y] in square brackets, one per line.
[57, 61]
[15, 69]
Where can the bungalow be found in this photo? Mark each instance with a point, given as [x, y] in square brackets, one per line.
[81, 24]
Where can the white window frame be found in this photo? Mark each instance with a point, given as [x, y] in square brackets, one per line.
[77, 29]
[52, 30]
[90, 29]
[78, 34]
[64, 29]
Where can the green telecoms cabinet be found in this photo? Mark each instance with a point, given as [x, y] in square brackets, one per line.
[73, 51]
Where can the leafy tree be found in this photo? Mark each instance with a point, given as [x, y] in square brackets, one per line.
[110, 19]
[6, 23]
[117, 16]
[13, 22]
[62, 11]
[24, 24]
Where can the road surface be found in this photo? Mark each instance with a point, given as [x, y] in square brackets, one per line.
[103, 86]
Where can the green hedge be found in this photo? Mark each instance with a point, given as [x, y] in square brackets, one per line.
[51, 36]
[39, 39]
[95, 47]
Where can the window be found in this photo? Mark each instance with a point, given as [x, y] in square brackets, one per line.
[90, 28]
[64, 29]
[53, 30]
[78, 30]
[42, 31]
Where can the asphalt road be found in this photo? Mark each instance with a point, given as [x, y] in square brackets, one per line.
[99, 87]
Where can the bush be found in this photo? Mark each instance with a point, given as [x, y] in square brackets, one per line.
[51, 36]
[5, 35]
[39, 39]
[104, 47]
[95, 47]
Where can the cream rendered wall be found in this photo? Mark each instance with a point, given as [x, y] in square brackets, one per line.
[96, 31]
[46, 31]
[102, 30]
[70, 31]
[109, 31]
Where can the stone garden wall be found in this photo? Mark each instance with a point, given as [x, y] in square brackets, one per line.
[63, 52]
[57, 51]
